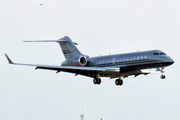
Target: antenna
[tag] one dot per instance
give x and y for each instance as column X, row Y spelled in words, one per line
column 82, row 115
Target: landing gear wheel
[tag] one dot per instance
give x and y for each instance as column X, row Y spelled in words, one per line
column 97, row 81
column 163, row 76
column 119, row 82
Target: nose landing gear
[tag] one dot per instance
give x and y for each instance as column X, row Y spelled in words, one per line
column 163, row 76
column 162, row 71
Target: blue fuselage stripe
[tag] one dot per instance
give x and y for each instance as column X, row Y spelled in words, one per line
column 129, row 63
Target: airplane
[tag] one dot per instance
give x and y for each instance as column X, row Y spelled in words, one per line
column 113, row 66
column 41, row 4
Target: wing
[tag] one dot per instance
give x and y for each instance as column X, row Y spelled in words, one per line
column 87, row 71
column 141, row 72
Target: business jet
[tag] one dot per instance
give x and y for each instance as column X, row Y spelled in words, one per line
column 117, row 66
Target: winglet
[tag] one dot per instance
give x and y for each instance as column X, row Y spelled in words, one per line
column 9, row 60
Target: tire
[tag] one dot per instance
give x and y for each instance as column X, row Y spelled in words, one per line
column 117, row 81
column 95, row 81
column 163, row 76
column 120, row 82
column 99, row 81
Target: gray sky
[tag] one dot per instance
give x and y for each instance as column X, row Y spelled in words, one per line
column 100, row 27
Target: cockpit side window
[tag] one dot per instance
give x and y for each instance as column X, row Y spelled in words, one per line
column 156, row 54
column 162, row 53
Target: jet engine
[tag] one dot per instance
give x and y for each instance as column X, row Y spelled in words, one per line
column 75, row 61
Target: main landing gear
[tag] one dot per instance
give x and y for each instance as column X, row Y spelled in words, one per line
column 97, row 81
column 119, row 81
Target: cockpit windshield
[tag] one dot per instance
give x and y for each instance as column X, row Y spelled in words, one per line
column 156, row 54
column 162, row 53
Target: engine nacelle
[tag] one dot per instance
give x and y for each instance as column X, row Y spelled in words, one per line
column 75, row 61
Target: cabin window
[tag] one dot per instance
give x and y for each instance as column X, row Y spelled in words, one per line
column 162, row 53
column 156, row 54
column 145, row 56
column 141, row 57
column 138, row 57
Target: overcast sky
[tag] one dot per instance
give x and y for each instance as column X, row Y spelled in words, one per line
column 99, row 27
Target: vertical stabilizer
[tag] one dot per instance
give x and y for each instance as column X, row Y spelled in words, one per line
column 68, row 48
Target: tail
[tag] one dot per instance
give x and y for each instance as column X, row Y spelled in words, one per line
column 67, row 46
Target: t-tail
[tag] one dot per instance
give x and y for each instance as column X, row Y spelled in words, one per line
column 68, row 48
column 73, row 56
column 71, row 53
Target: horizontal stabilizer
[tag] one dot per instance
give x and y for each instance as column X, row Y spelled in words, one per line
column 46, row 41
column 49, row 41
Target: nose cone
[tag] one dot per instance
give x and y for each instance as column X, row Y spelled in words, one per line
column 169, row 61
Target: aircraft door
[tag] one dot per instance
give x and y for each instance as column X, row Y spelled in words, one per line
column 114, row 60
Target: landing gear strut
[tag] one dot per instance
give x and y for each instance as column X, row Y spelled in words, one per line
column 162, row 71
column 119, row 82
column 97, row 81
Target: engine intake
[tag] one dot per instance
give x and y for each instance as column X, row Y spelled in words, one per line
column 83, row 61
column 76, row 61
